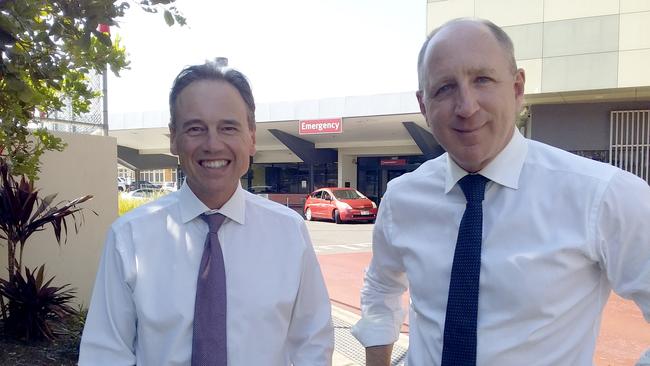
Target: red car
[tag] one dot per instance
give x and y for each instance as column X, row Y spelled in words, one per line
column 340, row 205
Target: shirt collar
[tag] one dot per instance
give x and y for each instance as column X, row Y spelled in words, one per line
column 191, row 206
column 504, row 169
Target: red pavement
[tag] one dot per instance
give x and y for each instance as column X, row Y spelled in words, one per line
column 624, row 334
column 344, row 277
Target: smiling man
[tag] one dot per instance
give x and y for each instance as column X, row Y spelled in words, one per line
column 509, row 247
column 209, row 274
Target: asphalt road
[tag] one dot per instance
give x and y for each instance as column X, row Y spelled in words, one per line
column 330, row 238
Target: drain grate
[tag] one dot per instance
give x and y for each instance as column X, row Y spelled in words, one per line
column 346, row 344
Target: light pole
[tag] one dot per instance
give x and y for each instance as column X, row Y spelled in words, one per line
column 221, row 61
column 105, row 28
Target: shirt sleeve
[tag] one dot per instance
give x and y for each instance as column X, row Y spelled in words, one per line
column 623, row 233
column 311, row 335
column 384, row 284
column 110, row 330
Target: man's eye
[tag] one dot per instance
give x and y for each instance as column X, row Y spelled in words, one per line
column 444, row 89
column 194, row 130
column 483, row 79
column 229, row 129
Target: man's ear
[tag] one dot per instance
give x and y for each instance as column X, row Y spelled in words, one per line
column 423, row 109
column 519, row 85
column 172, row 139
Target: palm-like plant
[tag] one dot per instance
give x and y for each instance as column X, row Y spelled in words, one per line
column 22, row 213
column 34, row 303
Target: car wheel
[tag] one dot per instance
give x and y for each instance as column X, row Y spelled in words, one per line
column 337, row 217
column 308, row 215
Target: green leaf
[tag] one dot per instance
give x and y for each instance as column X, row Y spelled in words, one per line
column 49, row 47
column 103, row 38
column 39, row 276
column 26, row 95
column 169, row 18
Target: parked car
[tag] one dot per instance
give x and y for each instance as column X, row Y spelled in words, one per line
column 169, row 186
column 142, row 184
column 121, row 184
column 144, row 194
column 340, row 205
column 261, row 189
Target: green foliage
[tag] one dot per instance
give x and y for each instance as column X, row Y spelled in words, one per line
column 523, row 117
column 73, row 326
column 126, row 204
column 34, row 304
column 47, row 49
column 22, row 213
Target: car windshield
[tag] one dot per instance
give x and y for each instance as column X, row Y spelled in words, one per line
column 347, row 194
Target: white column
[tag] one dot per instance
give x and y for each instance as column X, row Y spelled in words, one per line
column 347, row 170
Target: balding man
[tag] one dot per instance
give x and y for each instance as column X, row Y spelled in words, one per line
column 509, row 247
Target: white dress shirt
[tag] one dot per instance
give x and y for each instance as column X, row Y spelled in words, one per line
column 142, row 308
column 559, row 232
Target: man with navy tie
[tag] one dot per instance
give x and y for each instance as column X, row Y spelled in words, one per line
column 509, row 247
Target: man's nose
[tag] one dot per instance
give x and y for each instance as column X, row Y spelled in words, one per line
column 466, row 102
column 213, row 141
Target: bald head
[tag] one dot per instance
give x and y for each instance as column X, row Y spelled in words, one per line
column 459, row 25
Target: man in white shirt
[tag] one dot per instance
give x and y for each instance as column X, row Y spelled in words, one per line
column 558, row 231
column 143, row 303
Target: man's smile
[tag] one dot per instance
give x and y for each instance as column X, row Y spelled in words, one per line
column 213, row 164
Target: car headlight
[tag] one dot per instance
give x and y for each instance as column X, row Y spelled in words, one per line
column 374, row 205
column 345, row 206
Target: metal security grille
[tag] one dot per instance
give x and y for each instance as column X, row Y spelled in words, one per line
column 346, row 344
column 629, row 146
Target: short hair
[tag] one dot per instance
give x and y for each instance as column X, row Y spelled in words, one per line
column 499, row 34
column 212, row 72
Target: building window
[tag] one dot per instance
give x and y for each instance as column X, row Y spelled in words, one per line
column 291, row 177
column 126, row 173
column 158, row 175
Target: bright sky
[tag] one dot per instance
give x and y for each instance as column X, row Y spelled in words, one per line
column 289, row 49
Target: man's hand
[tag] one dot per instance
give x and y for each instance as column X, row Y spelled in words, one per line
column 379, row 355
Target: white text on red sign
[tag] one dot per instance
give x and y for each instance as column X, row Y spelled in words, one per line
column 321, row 126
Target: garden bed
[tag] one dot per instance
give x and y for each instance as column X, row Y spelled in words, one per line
column 62, row 352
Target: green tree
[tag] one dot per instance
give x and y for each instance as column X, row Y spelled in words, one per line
column 47, row 50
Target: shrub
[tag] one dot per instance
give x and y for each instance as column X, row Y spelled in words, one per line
column 35, row 304
column 126, row 204
column 30, row 298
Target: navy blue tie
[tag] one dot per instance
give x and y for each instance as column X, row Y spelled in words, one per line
column 459, row 344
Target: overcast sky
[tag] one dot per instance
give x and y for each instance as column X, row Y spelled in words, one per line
column 289, row 49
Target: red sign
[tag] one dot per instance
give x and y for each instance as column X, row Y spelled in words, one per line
column 320, row 126
column 392, row 162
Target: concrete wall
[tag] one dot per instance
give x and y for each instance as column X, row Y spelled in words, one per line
column 576, row 126
column 86, row 166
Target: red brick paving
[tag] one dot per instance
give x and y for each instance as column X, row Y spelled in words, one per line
column 624, row 334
